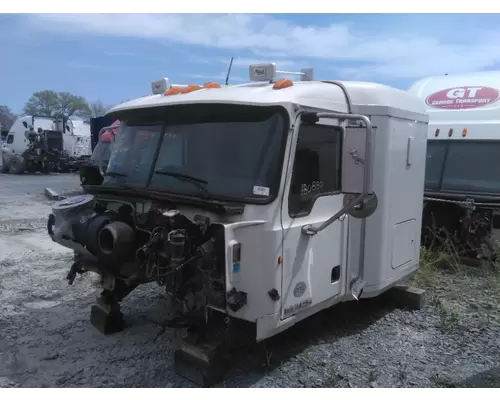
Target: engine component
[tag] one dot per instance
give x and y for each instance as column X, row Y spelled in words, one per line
column 164, row 253
column 115, row 237
column 65, row 214
column 75, row 269
column 127, row 248
column 168, row 248
column 98, row 235
column 177, row 241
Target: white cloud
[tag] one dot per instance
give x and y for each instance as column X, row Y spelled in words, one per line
column 244, row 63
column 240, row 62
column 217, row 78
column 410, row 51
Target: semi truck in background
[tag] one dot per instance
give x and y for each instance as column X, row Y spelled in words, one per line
column 44, row 144
column 462, row 180
column 3, row 143
column 254, row 206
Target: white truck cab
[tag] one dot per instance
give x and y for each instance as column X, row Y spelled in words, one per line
column 76, row 134
column 17, row 141
column 297, row 195
column 70, row 138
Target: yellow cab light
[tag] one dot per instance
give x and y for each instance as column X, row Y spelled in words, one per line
column 450, row 132
column 174, row 90
column 191, row 88
column 282, row 84
column 464, row 132
column 437, row 133
column 211, row 85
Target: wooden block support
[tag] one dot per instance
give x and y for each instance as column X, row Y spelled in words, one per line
column 407, row 297
column 107, row 321
column 201, row 364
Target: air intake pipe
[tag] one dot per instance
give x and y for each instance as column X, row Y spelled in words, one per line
column 115, row 239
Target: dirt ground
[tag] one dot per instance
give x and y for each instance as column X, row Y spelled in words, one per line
column 47, row 339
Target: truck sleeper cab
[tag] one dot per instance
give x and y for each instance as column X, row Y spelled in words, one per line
column 254, row 201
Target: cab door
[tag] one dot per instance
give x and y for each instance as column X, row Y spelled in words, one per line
column 313, row 266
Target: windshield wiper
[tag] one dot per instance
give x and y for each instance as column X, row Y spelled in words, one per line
column 112, row 173
column 200, row 183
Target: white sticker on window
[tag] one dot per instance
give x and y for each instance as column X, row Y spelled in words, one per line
column 261, row 191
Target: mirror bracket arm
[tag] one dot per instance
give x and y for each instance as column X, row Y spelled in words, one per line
column 100, row 163
column 311, row 230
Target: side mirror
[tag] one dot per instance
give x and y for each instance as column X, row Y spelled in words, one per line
column 353, row 179
column 356, row 175
column 101, row 139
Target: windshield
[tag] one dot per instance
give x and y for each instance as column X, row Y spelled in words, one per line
column 463, row 166
column 216, row 151
column 101, row 151
column 132, row 154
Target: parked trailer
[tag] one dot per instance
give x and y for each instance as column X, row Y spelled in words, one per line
column 462, row 185
column 79, row 143
column 255, row 205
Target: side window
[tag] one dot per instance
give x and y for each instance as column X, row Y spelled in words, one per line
column 10, row 139
column 316, row 169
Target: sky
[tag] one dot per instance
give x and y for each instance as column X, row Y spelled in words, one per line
column 115, row 57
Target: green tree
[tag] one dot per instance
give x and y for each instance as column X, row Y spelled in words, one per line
column 98, row 109
column 56, row 104
column 7, row 117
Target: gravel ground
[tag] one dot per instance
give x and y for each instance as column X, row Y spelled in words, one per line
column 47, row 340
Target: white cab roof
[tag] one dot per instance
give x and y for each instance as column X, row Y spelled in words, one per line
column 40, row 122
column 315, row 94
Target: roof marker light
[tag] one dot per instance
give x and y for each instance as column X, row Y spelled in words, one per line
column 464, row 132
column 174, row 90
column 437, row 133
column 450, row 132
column 282, row 84
column 211, row 85
column 191, row 88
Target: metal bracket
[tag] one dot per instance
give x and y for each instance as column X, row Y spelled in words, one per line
column 355, row 155
column 357, row 287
